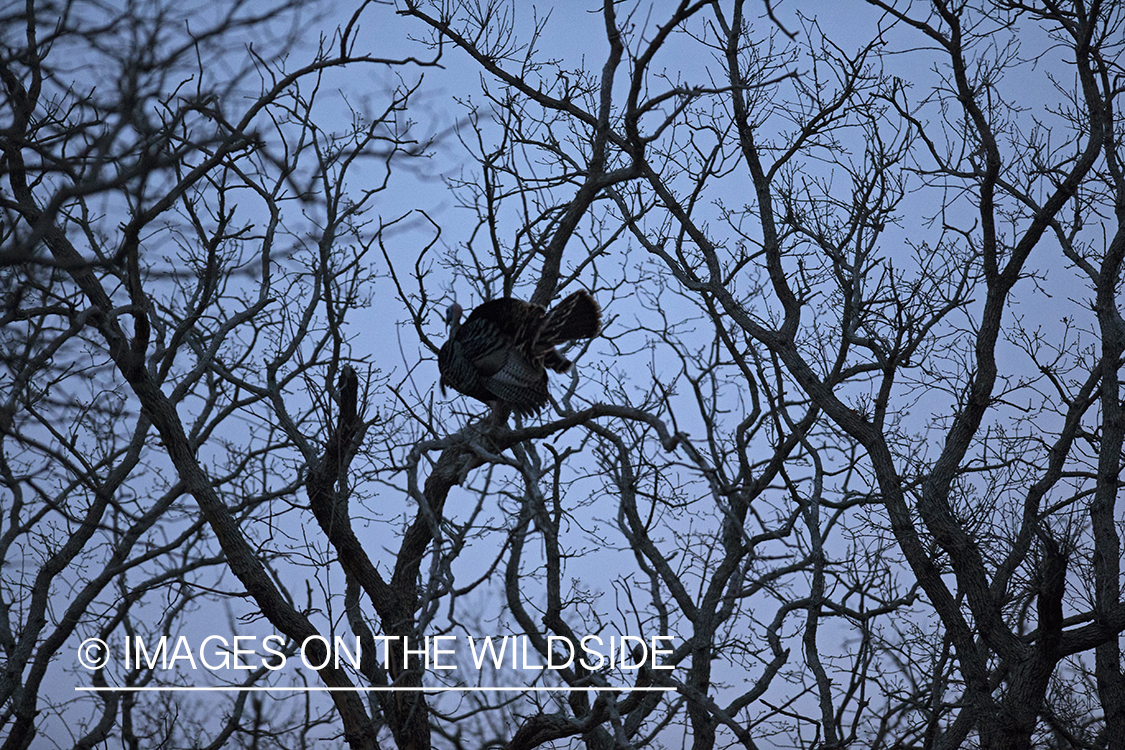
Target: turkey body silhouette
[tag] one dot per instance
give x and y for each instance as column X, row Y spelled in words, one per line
column 501, row 353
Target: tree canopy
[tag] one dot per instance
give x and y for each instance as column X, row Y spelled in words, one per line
column 841, row 469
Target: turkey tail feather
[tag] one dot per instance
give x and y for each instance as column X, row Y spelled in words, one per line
column 576, row 317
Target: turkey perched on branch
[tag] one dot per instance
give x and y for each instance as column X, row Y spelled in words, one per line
column 501, row 353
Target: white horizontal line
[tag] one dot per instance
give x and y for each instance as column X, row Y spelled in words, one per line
column 241, row 689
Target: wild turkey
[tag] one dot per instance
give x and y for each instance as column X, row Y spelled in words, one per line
column 501, row 353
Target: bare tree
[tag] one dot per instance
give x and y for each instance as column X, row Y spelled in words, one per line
column 887, row 443
column 181, row 254
column 846, row 451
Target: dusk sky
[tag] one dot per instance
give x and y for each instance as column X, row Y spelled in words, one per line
column 826, row 297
